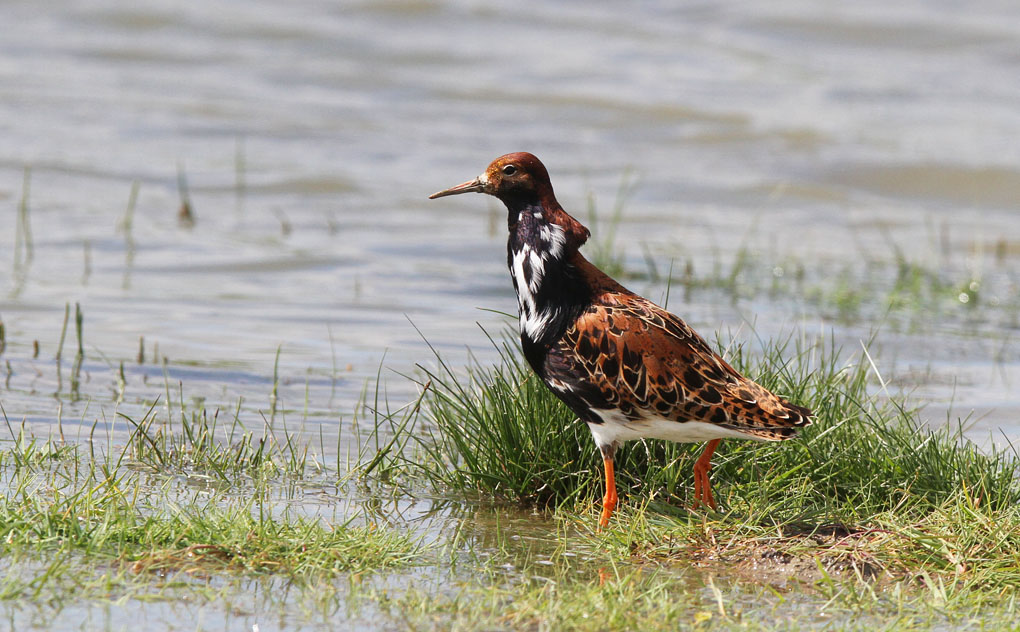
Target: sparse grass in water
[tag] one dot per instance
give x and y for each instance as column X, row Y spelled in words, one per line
column 59, row 502
column 196, row 443
column 893, row 287
column 186, row 212
column 79, row 357
column 113, row 515
column 24, row 246
column 126, row 226
column 602, row 245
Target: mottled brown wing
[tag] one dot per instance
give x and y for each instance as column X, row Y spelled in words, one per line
column 645, row 360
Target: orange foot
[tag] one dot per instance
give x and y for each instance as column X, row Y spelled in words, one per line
column 610, row 499
column 702, row 486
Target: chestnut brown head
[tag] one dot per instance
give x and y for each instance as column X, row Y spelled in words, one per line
column 517, row 177
column 520, row 181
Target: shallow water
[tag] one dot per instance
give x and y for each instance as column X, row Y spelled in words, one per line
column 832, row 143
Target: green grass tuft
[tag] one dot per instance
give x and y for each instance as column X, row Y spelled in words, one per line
column 499, row 431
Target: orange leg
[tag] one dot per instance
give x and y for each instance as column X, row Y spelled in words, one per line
column 702, row 487
column 609, row 500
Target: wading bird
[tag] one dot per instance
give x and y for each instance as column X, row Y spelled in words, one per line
column 625, row 366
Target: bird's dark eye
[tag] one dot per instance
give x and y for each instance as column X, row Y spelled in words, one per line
column 509, row 170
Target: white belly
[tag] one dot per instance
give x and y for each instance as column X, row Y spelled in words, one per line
column 616, row 428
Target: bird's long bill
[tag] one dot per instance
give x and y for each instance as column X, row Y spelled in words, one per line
column 474, row 186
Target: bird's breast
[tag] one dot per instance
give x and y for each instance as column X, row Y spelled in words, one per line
column 535, row 253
